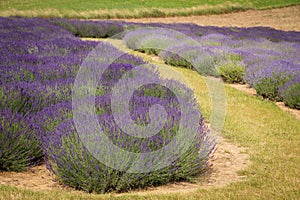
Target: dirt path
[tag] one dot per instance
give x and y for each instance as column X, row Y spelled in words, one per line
column 228, row 160
column 287, row 19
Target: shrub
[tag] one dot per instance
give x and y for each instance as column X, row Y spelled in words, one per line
column 268, row 77
column 75, row 165
column 268, row 87
column 20, row 137
column 154, row 43
column 151, row 40
column 191, row 57
column 232, row 72
column 50, row 117
column 28, row 98
column 101, row 29
column 19, row 146
column 213, row 39
column 132, row 38
column 290, row 92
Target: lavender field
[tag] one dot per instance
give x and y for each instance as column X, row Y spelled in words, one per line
column 262, row 57
column 38, row 67
column 39, row 62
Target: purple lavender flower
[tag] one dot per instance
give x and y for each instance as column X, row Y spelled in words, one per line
column 290, row 92
column 16, row 134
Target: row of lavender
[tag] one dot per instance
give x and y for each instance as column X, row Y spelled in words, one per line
column 38, row 65
column 38, row 62
column 267, row 59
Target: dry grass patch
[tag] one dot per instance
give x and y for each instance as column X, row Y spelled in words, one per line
column 129, row 13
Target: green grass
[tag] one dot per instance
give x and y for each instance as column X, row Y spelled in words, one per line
column 130, row 8
column 271, row 136
column 83, row 5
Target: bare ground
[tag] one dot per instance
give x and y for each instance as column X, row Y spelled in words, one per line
column 287, row 109
column 229, row 158
column 286, row 19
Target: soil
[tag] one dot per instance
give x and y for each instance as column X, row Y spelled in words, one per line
column 286, row 19
column 244, row 88
column 229, row 159
column 295, row 112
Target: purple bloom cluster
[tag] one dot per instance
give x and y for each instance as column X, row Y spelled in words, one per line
column 290, row 92
column 19, row 145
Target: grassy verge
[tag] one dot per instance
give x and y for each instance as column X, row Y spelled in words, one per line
column 271, row 135
column 130, row 9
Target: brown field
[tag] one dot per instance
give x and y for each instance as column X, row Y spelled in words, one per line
column 287, row 19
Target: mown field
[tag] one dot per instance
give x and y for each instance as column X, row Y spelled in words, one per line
column 132, row 8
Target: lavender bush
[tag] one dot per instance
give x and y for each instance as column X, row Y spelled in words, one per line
column 253, row 33
column 231, row 68
column 232, row 72
column 27, row 98
column 19, row 145
column 74, row 164
column 290, row 92
column 93, row 29
column 191, row 57
column 268, row 77
column 76, row 167
column 152, row 40
column 133, row 38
